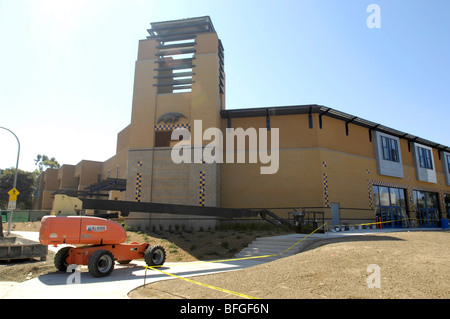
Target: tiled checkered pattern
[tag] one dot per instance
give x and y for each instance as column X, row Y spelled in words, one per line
column 201, row 194
column 386, row 184
column 412, row 205
column 171, row 127
column 369, row 189
column 138, row 186
column 325, row 186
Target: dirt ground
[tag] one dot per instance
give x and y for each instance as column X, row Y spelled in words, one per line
column 411, row 265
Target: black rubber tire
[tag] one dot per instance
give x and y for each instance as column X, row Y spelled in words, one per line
column 155, row 256
column 101, row 263
column 60, row 258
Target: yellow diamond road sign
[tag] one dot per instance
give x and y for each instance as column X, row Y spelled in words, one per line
column 13, row 194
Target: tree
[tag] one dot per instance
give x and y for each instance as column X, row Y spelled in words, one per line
column 25, row 185
column 43, row 162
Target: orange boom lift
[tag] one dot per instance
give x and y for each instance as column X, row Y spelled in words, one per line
column 101, row 244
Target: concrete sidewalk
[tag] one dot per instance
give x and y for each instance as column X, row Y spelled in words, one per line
column 115, row 286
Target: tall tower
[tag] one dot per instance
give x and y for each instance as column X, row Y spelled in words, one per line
column 179, row 78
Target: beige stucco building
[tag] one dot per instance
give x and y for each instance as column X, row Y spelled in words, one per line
column 351, row 169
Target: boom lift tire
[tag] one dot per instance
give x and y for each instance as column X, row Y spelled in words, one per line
column 155, row 256
column 101, row 263
column 60, row 258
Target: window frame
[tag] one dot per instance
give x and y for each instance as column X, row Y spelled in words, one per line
column 390, row 149
column 425, row 158
column 448, row 163
column 424, row 163
column 445, row 156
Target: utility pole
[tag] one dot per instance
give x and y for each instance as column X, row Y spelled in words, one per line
column 15, row 179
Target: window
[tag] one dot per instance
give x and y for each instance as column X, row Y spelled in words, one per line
column 448, row 164
column 390, row 149
column 445, row 156
column 425, row 160
column 426, row 199
column 175, row 70
column 164, row 139
column 388, row 155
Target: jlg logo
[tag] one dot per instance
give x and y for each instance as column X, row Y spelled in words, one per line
column 96, row 228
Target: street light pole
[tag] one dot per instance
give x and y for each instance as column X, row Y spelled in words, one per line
column 15, row 175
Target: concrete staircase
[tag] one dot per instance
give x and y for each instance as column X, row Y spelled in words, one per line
column 275, row 245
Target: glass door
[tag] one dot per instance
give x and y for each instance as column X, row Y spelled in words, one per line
column 390, row 206
column 386, row 217
column 427, row 208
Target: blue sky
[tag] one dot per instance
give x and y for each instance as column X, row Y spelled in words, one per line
column 67, row 66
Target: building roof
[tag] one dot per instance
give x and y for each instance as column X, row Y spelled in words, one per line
column 327, row 111
column 180, row 29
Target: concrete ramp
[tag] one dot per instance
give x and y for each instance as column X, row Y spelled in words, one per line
column 281, row 246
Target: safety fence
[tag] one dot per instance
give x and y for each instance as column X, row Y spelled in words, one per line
column 20, row 216
column 407, row 223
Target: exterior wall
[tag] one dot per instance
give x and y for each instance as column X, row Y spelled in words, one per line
column 116, row 166
column 333, row 136
column 88, row 173
column 66, row 177
column 153, row 177
column 320, row 166
column 123, row 139
column 294, row 185
column 48, row 184
column 141, row 129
